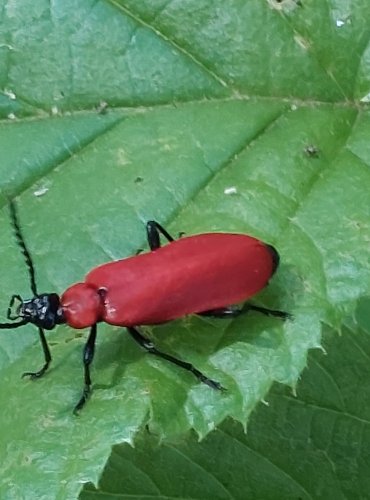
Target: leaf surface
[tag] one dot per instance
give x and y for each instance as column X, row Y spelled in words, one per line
column 314, row 444
column 229, row 116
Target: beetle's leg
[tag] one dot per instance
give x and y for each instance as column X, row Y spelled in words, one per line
column 224, row 312
column 47, row 356
column 153, row 231
column 88, row 356
column 8, row 326
column 149, row 346
column 13, row 298
column 267, row 312
column 230, row 312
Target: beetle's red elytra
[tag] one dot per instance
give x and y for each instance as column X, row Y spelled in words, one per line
column 203, row 274
column 187, row 276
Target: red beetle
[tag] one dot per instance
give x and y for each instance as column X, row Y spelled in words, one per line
column 200, row 274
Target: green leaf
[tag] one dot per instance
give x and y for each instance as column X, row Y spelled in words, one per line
column 206, row 116
column 312, row 445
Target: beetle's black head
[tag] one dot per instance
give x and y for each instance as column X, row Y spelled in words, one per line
column 43, row 310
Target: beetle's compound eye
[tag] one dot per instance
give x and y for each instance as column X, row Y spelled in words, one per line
column 82, row 305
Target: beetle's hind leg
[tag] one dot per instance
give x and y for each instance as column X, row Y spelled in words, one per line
column 151, row 349
column 224, row 312
column 232, row 312
column 268, row 312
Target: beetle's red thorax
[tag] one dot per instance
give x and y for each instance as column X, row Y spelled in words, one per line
column 82, row 305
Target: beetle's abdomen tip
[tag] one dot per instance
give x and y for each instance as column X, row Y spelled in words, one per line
column 275, row 257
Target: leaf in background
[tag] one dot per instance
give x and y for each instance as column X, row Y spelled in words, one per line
column 114, row 113
column 314, row 445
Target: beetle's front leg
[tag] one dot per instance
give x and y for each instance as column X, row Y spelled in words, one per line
column 47, row 356
column 88, row 356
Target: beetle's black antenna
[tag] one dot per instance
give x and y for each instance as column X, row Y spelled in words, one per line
column 22, row 244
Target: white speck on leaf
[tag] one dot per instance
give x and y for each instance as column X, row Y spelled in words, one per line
column 230, row 190
column 41, row 191
column 366, row 98
column 10, row 94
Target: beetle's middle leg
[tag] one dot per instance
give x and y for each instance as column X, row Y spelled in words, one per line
column 153, row 232
column 151, row 349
